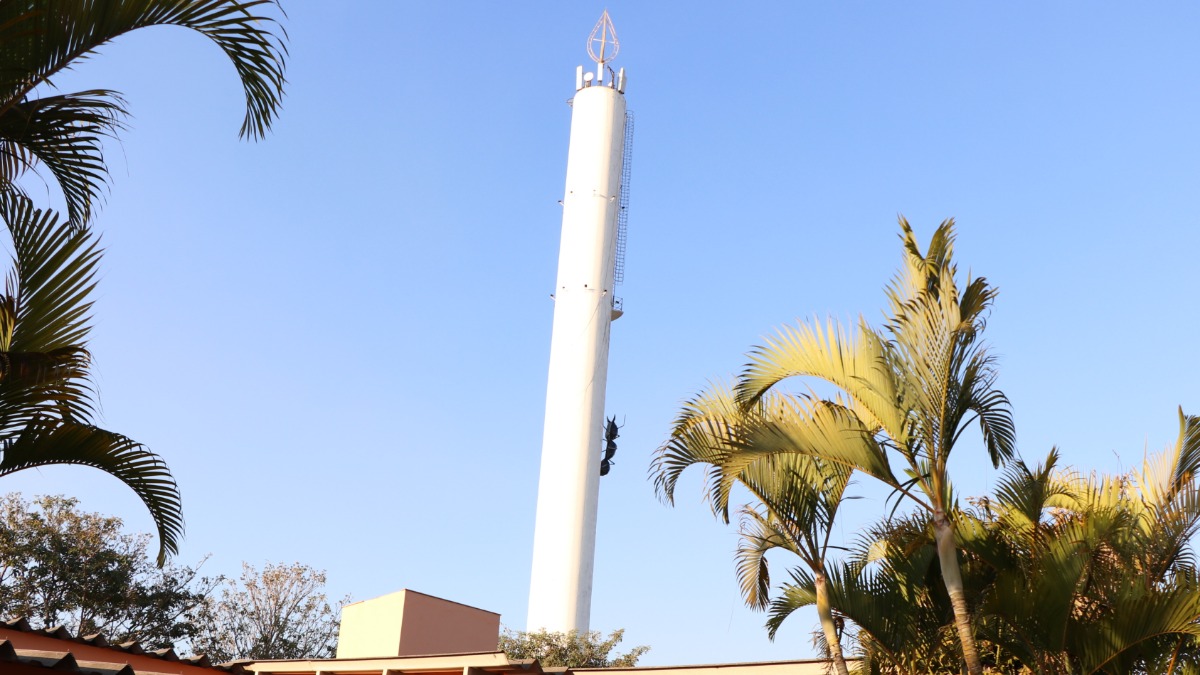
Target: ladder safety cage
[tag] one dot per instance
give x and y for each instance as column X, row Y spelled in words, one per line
column 623, row 211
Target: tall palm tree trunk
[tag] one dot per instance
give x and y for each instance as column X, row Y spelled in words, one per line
column 952, row 575
column 826, row 616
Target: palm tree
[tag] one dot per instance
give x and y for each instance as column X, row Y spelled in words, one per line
column 796, row 496
column 46, row 405
column 889, row 592
column 1081, row 575
column 1097, row 574
column 45, row 396
column 64, row 132
column 910, row 390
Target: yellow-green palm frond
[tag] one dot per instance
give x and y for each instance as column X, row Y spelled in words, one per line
column 1138, row 618
column 936, row 351
column 800, row 489
column 902, row 621
column 798, row 594
column 1024, row 497
column 1093, row 589
column 715, row 431
column 822, row 429
column 758, row 536
column 1166, row 474
column 903, row 544
column 854, row 360
column 706, row 432
column 794, row 492
column 1165, row 496
column 921, row 273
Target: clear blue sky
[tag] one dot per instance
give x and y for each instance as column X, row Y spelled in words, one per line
column 338, row 337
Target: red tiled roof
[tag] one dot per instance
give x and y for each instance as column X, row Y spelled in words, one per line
column 33, row 653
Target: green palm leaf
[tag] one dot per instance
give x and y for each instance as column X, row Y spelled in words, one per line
column 47, row 442
column 45, row 393
column 758, row 537
column 800, row 593
column 797, row 493
column 54, row 268
column 41, row 38
column 65, row 134
column 1138, row 617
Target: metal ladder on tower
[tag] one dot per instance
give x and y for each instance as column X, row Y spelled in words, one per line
column 623, row 212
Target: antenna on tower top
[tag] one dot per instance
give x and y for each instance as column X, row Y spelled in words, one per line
column 603, row 44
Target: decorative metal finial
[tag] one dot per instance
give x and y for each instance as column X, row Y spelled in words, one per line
column 603, row 44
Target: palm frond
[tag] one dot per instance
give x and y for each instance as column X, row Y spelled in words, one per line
column 55, row 275
column 46, row 442
column 1024, row 495
column 851, row 359
column 54, row 268
column 1167, row 473
column 1187, row 467
column 39, row 39
column 822, row 429
column 45, row 392
column 798, row 594
column 753, row 572
column 65, row 133
column 704, row 433
column 1136, row 619
column 43, row 38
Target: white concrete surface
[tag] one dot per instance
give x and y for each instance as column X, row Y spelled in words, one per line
column 560, row 593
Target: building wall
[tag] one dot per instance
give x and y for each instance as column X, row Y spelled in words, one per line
column 408, row 623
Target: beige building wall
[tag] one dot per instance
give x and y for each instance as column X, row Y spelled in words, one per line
column 408, row 623
column 410, row 633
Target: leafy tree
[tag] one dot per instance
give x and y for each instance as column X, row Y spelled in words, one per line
column 795, row 496
column 46, row 397
column 62, row 566
column 64, row 132
column 279, row 613
column 572, row 649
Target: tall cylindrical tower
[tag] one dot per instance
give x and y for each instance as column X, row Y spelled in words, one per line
column 564, row 542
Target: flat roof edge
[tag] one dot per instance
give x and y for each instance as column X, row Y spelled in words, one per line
column 744, row 664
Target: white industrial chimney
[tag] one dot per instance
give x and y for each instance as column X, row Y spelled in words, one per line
column 564, row 542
